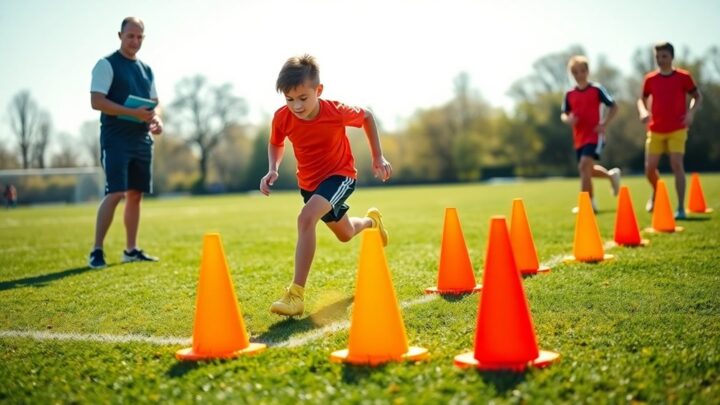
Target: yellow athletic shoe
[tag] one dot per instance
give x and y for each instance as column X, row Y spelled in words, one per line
column 291, row 303
column 374, row 214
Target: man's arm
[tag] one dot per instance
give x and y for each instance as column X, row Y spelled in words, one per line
column 381, row 167
column 99, row 102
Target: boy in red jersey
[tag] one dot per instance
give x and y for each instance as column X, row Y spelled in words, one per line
column 581, row 110
column 665, row 91
column 325, row 166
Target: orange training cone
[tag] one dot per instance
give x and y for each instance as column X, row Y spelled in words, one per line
column 377, row 332
column 504, row 336
column 697, row 197
column 455, row 273
column 627, row 232
column 522, row 241
column 588, row 246
column 662, row 218
column 219, row 330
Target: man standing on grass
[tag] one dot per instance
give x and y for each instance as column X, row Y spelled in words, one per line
column 126, row 143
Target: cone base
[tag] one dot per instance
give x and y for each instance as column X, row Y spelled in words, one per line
column 653, row 230
column 643, row 243
column 436, row 290
column 468, row 359
column 188, row 354
column 707, row 211
column 413, row 354
column 541, row 269
column 571, row 258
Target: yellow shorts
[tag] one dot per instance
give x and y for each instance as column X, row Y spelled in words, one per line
column 666, row 142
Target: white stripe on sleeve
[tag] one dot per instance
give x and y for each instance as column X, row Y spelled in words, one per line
column 102, row 77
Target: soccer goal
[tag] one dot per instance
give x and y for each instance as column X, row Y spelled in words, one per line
column 56, row 185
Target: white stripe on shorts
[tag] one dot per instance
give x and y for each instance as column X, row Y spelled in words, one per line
column 341, row 191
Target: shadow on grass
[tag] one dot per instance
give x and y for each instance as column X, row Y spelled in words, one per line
column 180, row 368
column 43, row 280
column 503, row 380
column 693, row 219
column 287, row 327
column 456, row 297
column 354, row 374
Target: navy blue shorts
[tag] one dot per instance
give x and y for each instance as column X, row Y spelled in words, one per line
column 127, row 167
column 590, row 149
column 335, row 189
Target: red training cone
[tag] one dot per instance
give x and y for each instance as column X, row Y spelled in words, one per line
column 505, row 336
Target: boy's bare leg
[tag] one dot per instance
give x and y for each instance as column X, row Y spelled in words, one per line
column 586, row 168
column 309, row 216
column 651, row 169
column 600, row 171
column 347, row 227
column 652, row 174
column 676, row 163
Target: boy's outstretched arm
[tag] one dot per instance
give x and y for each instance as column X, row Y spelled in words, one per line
column 381, row 167
column 275, row 155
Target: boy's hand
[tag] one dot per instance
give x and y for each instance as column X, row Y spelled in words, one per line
column 689, row 117
column 267, row 181
column 382, row 169
column 571, row 119
column 644, row 118
column 600, row 128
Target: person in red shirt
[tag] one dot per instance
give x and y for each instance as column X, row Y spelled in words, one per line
column 581, row 110
column 325, row 166
column 663, row 106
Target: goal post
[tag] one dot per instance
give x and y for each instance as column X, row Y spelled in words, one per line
column 56, row 185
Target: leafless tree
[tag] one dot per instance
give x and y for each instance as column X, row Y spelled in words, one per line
column 24, row 117
column 90, row 139
column 42, row 139
column 67, row 156
column 203, row 113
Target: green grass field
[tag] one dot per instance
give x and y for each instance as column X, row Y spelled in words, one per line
column 642, row 328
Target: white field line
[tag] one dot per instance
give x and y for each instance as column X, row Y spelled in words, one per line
column 339, row 326
column 300, row 340
column 96, row 337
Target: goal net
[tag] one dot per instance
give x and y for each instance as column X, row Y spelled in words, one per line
column 55, row 185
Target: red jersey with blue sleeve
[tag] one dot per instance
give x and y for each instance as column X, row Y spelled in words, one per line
column 585, row 104
column 669, row 99
column 321, row 146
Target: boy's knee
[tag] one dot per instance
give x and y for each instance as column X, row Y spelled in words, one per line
column 305, row 221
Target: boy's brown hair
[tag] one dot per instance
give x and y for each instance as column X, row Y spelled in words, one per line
column 578, row 60
column 296, row 71
column 665, row 46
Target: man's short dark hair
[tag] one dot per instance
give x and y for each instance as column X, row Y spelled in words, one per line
column 133, row 20
column 296, row 71
column 665, row 46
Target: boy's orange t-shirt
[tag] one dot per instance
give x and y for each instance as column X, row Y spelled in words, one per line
column 321, row 146
column 669, row 99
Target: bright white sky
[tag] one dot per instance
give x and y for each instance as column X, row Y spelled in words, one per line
column 395, row 56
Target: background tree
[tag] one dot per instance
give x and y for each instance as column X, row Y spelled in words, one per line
column 24, row 117
column 42, row 139
column 90, row 141
column 202, row 114
column 68, row 155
